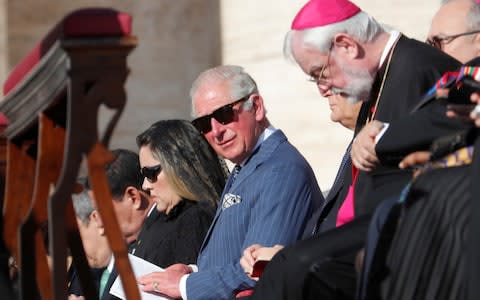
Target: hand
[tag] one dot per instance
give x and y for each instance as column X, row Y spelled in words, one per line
column 185, row 269
column 414, row 159
column 247, row 260
column 167, row 282
column 254, row 253
column 363, row 152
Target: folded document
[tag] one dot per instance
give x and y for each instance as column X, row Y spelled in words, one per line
column 140, row 267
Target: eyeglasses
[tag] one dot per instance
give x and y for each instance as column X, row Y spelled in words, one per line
column 151, row 173
column 320, row 79
column 438, row 40
column 224, row 115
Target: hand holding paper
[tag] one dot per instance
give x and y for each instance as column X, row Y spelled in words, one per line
column 140, row 267
column 166, row 282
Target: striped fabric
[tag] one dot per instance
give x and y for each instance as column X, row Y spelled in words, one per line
column 274, row 195
column 450, row 78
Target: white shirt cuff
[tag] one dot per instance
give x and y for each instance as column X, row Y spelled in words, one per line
column 183, row 282
column 380, row 134
column 183, row 286
column 194, row 268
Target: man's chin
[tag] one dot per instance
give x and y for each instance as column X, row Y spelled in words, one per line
column 334, row 118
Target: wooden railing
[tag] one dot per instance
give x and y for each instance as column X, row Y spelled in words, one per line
column 52, row 103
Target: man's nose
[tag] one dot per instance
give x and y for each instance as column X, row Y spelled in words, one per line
column 324, row 90
column 217, row 127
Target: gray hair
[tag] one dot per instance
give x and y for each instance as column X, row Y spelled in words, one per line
column 473, row 16
column 83, row 206
column 240, row 82
column 361, row 27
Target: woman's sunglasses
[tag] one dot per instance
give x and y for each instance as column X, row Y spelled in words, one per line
column 151, row 173
column 223, row 115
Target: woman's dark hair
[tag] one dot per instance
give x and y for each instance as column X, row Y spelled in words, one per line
column 190, row 164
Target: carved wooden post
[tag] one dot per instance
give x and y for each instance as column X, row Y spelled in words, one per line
column 53, row 111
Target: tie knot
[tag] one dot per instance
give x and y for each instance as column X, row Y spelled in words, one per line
column 237, row 169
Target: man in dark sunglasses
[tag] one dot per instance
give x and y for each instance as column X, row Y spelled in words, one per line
column 268, row 198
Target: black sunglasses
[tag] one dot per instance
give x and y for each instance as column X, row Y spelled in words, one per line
column 223, row 115
column 438, row 40
column 151, row 173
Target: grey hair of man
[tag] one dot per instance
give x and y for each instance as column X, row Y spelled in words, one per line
column 473, row 16
column 362, row 27
column 83, row 206
column 241, row 84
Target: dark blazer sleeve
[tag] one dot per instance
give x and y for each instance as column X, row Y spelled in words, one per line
column 417, row 68
column 414, row 69
column 416, row 132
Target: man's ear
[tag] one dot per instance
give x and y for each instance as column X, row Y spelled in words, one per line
column 258, row 107
column 133, row 195
column 96, row 220
column 345, row 45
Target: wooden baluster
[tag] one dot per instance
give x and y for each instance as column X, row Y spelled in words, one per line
column 97, row 159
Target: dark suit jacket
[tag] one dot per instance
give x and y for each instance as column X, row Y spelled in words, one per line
column 416, row 131
column 414, row 69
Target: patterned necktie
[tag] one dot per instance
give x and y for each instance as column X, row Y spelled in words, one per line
column 233, row 176
column 103, row 282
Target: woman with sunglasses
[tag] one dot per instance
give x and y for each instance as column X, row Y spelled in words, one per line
column 185, row 178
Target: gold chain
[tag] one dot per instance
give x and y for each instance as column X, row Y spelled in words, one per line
column 372, row 116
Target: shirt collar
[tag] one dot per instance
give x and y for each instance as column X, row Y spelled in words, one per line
column 262, row 138
column 110, row 264
column 394, row 35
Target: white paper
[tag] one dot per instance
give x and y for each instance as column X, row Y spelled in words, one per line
column 140, row 267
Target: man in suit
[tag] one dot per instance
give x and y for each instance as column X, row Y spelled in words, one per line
column 131, row 205
column 268, row 198
column 346, row 51
column 345, row 114
column 94, row 241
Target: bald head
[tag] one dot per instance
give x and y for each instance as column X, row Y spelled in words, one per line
column 455, row 17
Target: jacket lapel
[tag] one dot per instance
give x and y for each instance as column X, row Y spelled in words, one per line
column 258, row 157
